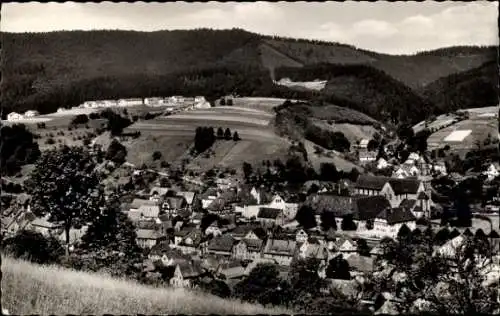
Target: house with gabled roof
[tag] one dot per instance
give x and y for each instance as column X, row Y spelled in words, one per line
column 395, row 190
column 269, row 216
column 173, row 205
column 137, row 203
column 221, row 245
column 388, row 222
column 185, row 274
column 193, row 242
column 46, row 228
column 249, row 231
column 345, row 246
column 232, row 270
column 248, row 249
column 147, row 238
column 167, row 255
column 312, row 249
column 156, row 193
column 188, row 196
column 281, row 251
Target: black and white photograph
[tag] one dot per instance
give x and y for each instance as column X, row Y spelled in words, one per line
column 250, row 158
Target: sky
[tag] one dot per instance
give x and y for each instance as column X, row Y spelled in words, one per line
column 394, row 28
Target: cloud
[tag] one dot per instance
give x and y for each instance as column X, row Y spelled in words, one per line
column 466, row 24
column 377, row 28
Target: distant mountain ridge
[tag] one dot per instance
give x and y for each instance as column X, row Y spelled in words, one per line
column 49, row 70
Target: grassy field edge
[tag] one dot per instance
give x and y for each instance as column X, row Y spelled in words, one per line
column 29, row 288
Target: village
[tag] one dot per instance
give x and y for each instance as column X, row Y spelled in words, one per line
column 225, row 227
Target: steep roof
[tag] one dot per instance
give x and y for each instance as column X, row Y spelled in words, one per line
column 339, row 205
column 146, row 224
column 371, row 182
column 396, row 215
column 175, row 202
column 148, row 234
column 161, row 248
column 404, row 186
column 188, row 195
column 136, row 203
column 253, row 244
column 368, row 207
column 422, row 196
column 149, row 210
column 222, row 243
column 159, row 190
column 408, row 203
column 268, row 213
column 190, row 270
column 43, row 222
column 280, row 247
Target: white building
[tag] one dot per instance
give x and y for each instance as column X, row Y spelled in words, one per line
column 110, row 103
column 90, row 104
column 130, row 102
column 31, row 113
column 154, row 101
column 382, row 164
column 364, row 143
column 492, row 172
column 388, row 222
column 14, row 116
column 176, row 99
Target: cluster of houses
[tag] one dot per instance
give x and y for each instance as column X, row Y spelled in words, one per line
column 169, row 102
column 14, row 116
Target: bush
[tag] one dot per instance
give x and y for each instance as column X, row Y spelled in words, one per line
column 116, row 152
column 156, row 155
column 80, row 119
column 50, row 141
column 33, row 246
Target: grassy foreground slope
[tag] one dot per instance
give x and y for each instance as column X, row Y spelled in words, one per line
column 34, row 289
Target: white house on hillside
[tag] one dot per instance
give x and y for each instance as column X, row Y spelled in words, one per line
column 154, row 101
column 13, row 116
column 130, row 102
column 31, row 113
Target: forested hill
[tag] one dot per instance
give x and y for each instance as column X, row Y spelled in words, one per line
column 45, row 71
column 477, row 87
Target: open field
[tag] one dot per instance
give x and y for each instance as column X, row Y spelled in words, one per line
column 33, row 289
column 317, row 159
column 351, row 132
column 479, row 127
column 173, row 136
column 263, row 104
column 488, row 109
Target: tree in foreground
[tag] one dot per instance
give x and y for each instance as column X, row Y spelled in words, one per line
column 220, row 133
column 263, row 285
column 305, row 217
column 338, row 268
column 236, row 136
column 33, row 246
column 111, row 230
column 116, row 152
column 110, row 241
column 227, row 134
column 65, row 186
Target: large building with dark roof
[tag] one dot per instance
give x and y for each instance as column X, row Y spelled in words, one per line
column 394, row 189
